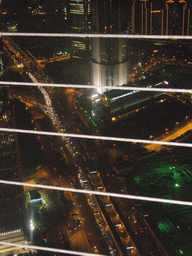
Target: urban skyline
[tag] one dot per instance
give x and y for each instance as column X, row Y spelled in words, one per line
column 88, row 223
column 135, row 17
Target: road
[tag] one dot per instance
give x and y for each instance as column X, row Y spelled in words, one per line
column 93, row 213
column 96, row 242
column 170, row 136
column 97, row 183
column 85, row 216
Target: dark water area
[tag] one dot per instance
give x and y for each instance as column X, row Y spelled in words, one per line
column 70, row 71
column 29, row 147
column 44, row 47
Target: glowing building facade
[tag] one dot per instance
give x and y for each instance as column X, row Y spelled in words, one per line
column 168, row 17
column 109, row 63
column 80, row 22
column 109, row 56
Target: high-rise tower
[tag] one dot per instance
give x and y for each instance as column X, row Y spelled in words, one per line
column 167, row 17
column 109, row 56
column 11, row 197
column 109, row 64
column 80, row 22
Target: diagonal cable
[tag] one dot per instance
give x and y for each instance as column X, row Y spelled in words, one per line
column 48, row 249
column 78, row 86
column 168, row 37
column 98, row 193
column 96, row 137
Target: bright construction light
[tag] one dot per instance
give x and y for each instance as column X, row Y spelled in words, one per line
column 31, row 225
column 130, row 247
column 94, row 96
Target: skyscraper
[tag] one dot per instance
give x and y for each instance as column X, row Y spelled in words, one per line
column 11, row 197
column 80, row 22
column 168, row 17
column 109, row 64
column 109, row 56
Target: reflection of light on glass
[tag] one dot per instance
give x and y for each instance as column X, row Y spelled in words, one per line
column 165, row 82
column 130, row 247
column 94, row 96
column 121, row 96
